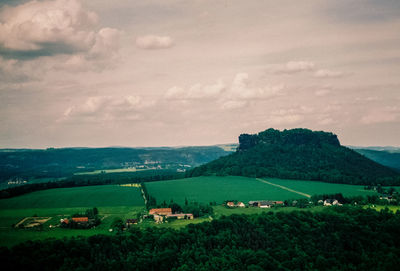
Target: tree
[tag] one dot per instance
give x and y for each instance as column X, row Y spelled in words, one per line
column 117, row 224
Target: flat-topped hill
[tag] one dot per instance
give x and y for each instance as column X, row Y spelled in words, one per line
column 299, row 154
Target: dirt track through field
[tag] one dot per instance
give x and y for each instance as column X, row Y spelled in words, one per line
column 284, row 187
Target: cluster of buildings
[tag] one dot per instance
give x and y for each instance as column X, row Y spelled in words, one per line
column 272, row 203
column 255, row 203
column 265, row 203
column 160, row 214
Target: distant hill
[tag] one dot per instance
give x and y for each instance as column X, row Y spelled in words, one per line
column 53, row 162
column 390, row 149
column 299, row 154
column 387, row 158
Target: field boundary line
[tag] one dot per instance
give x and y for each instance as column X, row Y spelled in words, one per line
column 284, row 187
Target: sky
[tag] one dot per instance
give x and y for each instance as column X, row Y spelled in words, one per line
column 136, row 73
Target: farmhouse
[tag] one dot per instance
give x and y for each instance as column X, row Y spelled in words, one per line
column 266, row 204
column 232, row 204
column 161, row 211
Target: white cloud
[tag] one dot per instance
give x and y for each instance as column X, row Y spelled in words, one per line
column 196, row 91
column 328, row 73
column 175, row 92
column 37, row 25
column 208, row 91
column 12, row 70
column 229, row 96
column 106, row 44
column 108, row 108
column 296, row 66
column 154, row 42
column 62, row 32
column 242, row 89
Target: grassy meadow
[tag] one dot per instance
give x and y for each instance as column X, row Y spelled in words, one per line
column 218, row 189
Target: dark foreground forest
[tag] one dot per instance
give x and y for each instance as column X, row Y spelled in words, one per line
column 343, row 238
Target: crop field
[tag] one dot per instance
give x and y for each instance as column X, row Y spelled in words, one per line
column 318, row 188
column 86, row 196
column 219, row 189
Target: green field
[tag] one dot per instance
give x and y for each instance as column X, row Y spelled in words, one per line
column 318, row 188
column 86, row 196
column 219, row 189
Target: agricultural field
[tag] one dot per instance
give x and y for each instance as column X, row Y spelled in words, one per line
column 318, row 188
column 49, row 206
column 85, row 196
column 219, row 189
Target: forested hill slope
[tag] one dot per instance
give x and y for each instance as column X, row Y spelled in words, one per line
column 299, row 154
column 388, row 158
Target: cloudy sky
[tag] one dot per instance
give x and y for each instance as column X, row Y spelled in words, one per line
column 199, row 72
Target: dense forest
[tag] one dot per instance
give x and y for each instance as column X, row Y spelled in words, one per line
column 52, row 163
column 299, row 154
column 342, row 238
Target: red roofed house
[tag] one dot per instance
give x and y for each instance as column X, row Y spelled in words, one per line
column 64, row 220
column 230, row 204
column 80, row 219
column 161, row 211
